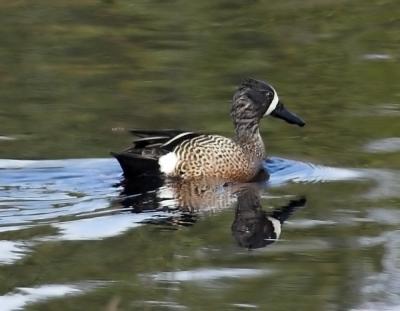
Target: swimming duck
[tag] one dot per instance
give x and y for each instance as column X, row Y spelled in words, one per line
column 193, row 155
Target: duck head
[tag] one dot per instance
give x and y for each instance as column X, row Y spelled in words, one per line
column 255, row 99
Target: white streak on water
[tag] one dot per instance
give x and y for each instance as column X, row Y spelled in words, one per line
column 210, row 274
column 377, row 56
column 284, row 171
column 7, row 138
column 103, row 226
column 385, row 145
column 23, row 296
column 384, row 216
column 387, row 183
column 244, row 306
column 11, row 251
column 381, row 291
column 309, row 223
column 170, row 305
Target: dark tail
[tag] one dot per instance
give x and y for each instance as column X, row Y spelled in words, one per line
column 134, row 165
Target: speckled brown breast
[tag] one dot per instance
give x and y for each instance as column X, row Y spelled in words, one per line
column 217, row 156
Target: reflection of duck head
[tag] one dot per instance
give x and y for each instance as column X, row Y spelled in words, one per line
column 255, row 228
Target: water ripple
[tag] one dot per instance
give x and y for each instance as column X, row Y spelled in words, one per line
column 48, row 191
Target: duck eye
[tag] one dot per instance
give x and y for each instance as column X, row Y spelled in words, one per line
column 268, row 94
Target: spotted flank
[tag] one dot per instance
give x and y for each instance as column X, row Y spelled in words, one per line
column 216, row 156
column 191, row 155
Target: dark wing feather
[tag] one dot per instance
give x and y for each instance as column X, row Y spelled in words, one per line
column 175, row 141
column 142, row 157
column 170, row 133
column 150, row 141
column 159, row 145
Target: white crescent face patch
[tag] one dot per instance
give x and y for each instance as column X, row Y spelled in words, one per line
column 273, row 104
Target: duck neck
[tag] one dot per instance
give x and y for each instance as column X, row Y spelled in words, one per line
column 246, row 129
column 247, row 135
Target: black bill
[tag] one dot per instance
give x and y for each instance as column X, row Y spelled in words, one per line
column 281, row 113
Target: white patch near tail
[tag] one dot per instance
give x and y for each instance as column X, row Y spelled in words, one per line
column 277, row 226
column 168, row 163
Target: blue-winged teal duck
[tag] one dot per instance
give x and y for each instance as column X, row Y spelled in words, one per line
column 190, row 155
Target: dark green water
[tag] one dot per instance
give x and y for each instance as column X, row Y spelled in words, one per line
column 75, row 74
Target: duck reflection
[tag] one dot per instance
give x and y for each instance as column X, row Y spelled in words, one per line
column 185, row 201
column 253, row 227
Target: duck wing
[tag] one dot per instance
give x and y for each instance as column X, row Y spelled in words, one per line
column 163, row 132
column 166, row 140
column 141, row 158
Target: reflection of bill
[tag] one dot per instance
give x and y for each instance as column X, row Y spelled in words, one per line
column 252, row 226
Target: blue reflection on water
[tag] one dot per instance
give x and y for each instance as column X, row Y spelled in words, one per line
column 99, row 174
column 38, row 192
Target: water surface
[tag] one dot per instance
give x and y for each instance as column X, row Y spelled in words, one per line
column 76, row 74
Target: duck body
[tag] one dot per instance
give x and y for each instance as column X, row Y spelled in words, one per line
column 191, row 155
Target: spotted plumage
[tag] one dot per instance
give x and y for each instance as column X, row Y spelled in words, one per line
column 191, row 155
column 219, row 157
